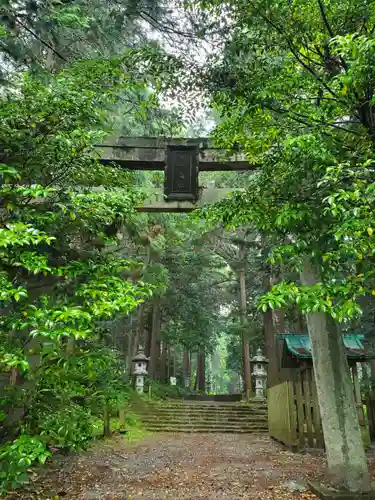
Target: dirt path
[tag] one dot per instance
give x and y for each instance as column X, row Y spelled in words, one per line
column 179, row 467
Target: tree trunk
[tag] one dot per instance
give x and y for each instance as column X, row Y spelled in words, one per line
column 243, row 317
column 345, row 453
column 163, row 363
column 196, row 380
column 298, row 323
column 138, row 333
column 190, row 367
column 271, row 347
column 106, row 421
column 148, row 332
column 274, row 323
column 169, row 364
column 278, row 320
column 201, row 370
column 186, row 369
column 159, row 353
column 278, row 316
column 155, row 330
column 130, row 350
column 140, row 328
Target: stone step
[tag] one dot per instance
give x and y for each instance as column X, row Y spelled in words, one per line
column 226, row 406
column 208, row 417
column 199, row 418
column 244, row 411
column 204, row 424
column 209, row 430
column 151, row 411
column 211, row 416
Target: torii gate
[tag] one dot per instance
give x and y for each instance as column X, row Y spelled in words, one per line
column 182, row 160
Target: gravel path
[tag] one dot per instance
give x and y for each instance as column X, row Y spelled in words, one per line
column 179, row 467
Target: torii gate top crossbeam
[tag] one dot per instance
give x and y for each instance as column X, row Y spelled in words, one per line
column 150, row 153
column 181, row 160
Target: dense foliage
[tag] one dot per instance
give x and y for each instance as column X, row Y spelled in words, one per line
column 59, row 282
column 85, row 278
column 305, row 117
column 294, row 89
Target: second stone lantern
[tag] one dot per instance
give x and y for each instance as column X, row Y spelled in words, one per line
column 140, row 361
column 260, row 374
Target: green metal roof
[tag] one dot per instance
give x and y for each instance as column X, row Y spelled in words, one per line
column 299, row 346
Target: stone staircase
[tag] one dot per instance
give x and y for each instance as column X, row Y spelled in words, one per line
column 193, row 416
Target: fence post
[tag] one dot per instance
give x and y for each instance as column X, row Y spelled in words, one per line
column 300, row 412
column 319, row 438
column 357, row 395
column 370, row 414
column 309, row 423
column 292, row 415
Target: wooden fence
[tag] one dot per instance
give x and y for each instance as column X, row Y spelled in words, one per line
column 293, row 413
column 370, row 407
column 294, row 416
column 281, row 414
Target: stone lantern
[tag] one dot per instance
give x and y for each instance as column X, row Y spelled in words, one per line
column 140, row 361
column 260, row 374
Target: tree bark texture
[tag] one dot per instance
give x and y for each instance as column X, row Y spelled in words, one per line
column 163, row 363
column 299, row 324
column 243, row 318
column 186, row 368
column 274, row 324
column 129, row 350
column 139, row 329
column 271, row 347
column 138, row 333
column 278, row 315
column 345, row 452
column 155, row 331
column 148, row 332
column 201, row 370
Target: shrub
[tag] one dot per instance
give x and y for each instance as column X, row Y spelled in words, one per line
column 164, row 391
column 69, row 428
column 17, row 457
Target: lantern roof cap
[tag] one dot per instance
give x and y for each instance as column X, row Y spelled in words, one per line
column 259, row 357
column 140, row 356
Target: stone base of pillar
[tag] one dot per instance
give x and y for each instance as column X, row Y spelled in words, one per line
column 324, row 492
